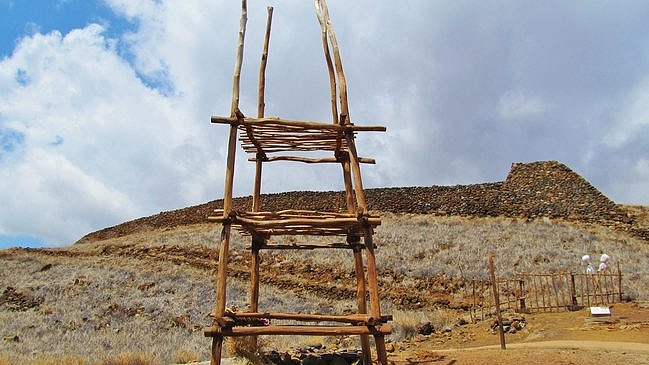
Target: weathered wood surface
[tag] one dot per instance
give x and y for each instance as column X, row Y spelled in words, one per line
column 298, row 330
column 221, row 276
column 550, row 292
column 297, row 222
column 307, row 246
column 329, row 40
column 292, row 125
column 330, row 69
column 494, row 286
column 262, row 136
column 364, row 160
column 364, row 319
column 262, row 66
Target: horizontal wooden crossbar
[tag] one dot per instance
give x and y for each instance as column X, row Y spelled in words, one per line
column 310, row 246
column 297, row 222
column 297, row 330
column 262, row 136
column 270, row 122
column 365, row 319
column 311, row 160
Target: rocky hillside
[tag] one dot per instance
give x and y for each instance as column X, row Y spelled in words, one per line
column 531, row 190
column 150, row 292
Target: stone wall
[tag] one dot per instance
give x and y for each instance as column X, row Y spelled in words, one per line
column 551, row 189
column 531, row 190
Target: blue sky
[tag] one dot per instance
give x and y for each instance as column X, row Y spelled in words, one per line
column 19, row 18
column 105, row 105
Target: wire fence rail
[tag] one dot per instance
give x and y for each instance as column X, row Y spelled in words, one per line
column 544, row 292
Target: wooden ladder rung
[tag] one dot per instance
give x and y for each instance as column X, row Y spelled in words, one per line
column 297, row 330
column 364, row 319
column 311, row 246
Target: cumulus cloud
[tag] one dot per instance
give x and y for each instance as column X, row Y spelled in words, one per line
column 83, row 133
column 623, row 146
column 98, row 129
column 632, row 118
column 44, row 185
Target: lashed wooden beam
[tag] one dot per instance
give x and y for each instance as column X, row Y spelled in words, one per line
column 298, row 330
column 366, row 319
column 312, row 160
column 295, row 123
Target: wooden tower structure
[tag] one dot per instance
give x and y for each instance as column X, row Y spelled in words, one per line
column 275, row 139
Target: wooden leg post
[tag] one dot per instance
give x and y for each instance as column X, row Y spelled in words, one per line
column 217, row 347
column 494, row 286
column 221, row 285
column 521, row 300
column 254, row 285
column 372, row 282
column 360, row 298
column 380, row 349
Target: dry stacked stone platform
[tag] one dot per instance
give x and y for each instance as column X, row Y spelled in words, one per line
column 551, row 189
column 531, row 190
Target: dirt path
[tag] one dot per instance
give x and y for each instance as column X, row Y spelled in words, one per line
column 537, row 353
column 569, row 344
column 534, row 353
column 589, row 345
column 550, row 338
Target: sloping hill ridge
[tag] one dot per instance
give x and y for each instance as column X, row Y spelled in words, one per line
column 531, row 190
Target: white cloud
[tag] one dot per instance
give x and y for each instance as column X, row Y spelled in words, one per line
column 106, row 136
column 632, row 119
column 48, row 196
column 126, row 120
column 632, row 179
column 517, row 104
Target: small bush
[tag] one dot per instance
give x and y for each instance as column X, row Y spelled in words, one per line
column 246, row 347
column 185, row 356
column 407, row 325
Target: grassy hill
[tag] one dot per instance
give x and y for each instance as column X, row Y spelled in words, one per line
column 146, row 286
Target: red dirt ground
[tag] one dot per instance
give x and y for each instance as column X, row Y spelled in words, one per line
column 548, row 338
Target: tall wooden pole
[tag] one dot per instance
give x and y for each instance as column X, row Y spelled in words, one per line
column 262, row 67
column 350, row 166
column 356, row 173
column 236, row 81
column 494, row 286
column 256, row 197
column 221, row 278
column 361, row 302
column 261, row 104
column 359, row 267
column 619, row 281
column 330, row 67
column 323, row 11
column 373, row 285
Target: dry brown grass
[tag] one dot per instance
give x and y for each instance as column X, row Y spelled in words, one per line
column 121, row 359
column 248, row 348
column 93, row 305
column 130, row 359
column 186, row 356
column 420, row 246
